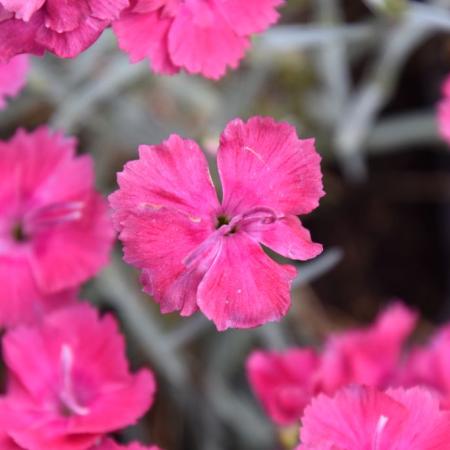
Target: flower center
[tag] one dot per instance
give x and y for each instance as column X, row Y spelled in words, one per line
column 18, row 233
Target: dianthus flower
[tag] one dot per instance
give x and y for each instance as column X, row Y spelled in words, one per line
column 109, row 444
column 429, row 365
column 13, row 76
column 200, row 36
column 367, row 355
column 69, row 381
column 196, row 253
column 363, row 418
column 444, row 111
column 61, row 27
column 285, row 382
column 55, row 232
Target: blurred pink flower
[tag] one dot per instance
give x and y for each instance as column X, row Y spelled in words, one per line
column 367, row 355
column 199, row 36
column 196, row 253
column 55, row 232
column 443, row 115
column 69, row 381
column 284, row 382
column 363, row 418
column 429, row 366
column 61, row 27
column 13, row 75
column 109, row 444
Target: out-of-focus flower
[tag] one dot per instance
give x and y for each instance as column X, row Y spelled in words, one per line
column 13, row 75
column 109, row 444
column 367, row 355
column 360, row 417
column 55, row 231
column 444, row 112
column 429, row 365
column 198, row 36
column 61, row 27
column 284, row 382
column 69, row 381
column 196, row 253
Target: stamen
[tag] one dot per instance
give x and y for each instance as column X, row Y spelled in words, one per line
column 67, row 395
column 55, row 214
column 381, row 424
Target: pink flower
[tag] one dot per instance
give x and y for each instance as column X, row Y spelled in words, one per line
column 55, row 232
column 200, row 36
column 69, row 381
column 443, row 116
column 195, row 253
column 367, row 355
column 284, row 382
column 363, row 418
column 12, row 77
column 429, row 366
column 109, row 444
column 61, row 27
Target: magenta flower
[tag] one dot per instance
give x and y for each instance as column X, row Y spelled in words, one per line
column 363, row 418
column 195, row 35
column 429, row 366
column 13, row 75
column 284, row 382
column 55, row 232
column 58, row 26
column 69, row 381
column 443, row 116
column 367, row 355
column 109, row 444
column 195, row 253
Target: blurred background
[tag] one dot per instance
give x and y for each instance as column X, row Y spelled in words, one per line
column 364, row 79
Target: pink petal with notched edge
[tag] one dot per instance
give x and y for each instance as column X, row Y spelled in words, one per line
column 286, row 236
column 204, row 46
column 243, row 296
column 283, row 382
column 251, row 16
column 159, row 242
column 13, row 76
column 71, row 43
column 17, row 36
column 61, row 17
column 145, row 35
column 174, row 175
column 264, row 163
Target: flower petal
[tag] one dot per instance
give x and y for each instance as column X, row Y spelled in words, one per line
column 244, row 288
column 172, row 175
column 250, row 16
column 202, row 42
column 264, row 163
column 146, row 36
column 286, row 236
column 159, row 242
